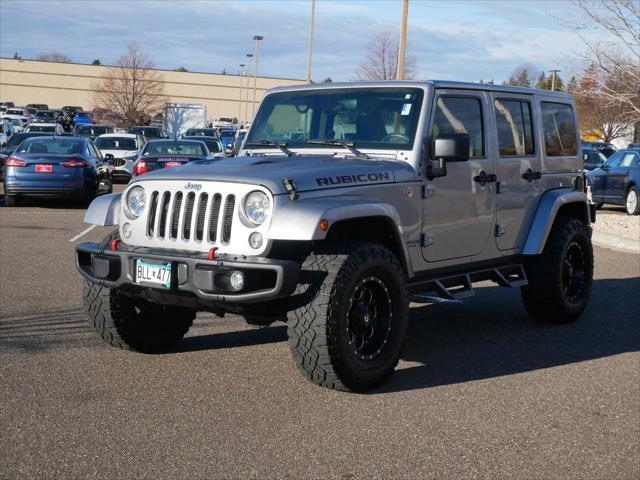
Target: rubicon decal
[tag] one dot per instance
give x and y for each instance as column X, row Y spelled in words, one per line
column 356, row 178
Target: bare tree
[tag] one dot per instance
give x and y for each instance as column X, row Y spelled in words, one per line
column 131, row 89
column 382, row 60
column 615, row 71
column 598, row 111
column 524, row 75
column 54, row 57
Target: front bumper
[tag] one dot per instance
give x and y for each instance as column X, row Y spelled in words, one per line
column 195, row 280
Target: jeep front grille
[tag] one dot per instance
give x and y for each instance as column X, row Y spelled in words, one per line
column 186, row 217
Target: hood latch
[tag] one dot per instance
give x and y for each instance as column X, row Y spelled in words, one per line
column 290, row 187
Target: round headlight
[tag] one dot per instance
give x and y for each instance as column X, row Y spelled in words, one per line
column 136, row 200
column 256, row 207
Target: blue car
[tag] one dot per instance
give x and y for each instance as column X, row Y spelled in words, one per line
column 55, row 167
column 617, row 181
column 226, row 137
column 82, row 118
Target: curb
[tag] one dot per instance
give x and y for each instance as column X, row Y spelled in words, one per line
column 615, row 242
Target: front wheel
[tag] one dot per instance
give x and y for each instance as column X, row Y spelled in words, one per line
column 631, row 202
column 349, row 316
column 560, row 278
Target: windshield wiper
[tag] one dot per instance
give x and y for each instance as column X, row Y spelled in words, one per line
column 348, row 145
column 269, row 143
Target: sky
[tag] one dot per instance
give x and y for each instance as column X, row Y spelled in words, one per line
column 449, row 39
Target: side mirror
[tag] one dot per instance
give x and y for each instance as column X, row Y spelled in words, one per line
column 448, row 147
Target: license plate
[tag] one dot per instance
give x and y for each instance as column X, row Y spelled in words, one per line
column 44, row 168
column 172, row 164
column 155, row 273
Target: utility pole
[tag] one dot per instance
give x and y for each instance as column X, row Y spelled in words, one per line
column 242, row 65
column 310, row 42
column 403, row 40
column 553, row 79
column 246, row 103
column 257, row 38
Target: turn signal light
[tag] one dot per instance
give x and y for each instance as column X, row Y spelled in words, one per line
column 75, row 163
column 140, row 167
column 14, row 162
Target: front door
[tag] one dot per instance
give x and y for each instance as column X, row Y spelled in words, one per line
column 618, row 174
column 519, row 168
column 459, row 211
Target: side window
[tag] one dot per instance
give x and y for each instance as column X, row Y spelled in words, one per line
column 515, row 132
column 460, row 115
column 559, row 130
column 629, row 160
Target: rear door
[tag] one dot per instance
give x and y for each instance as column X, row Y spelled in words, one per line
column 519, row 167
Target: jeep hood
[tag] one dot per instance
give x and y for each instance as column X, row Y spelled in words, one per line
column 308, row 172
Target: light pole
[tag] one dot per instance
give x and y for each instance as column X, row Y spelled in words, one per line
column 553, row 79
column 246, row 103
column 242, row 65
column 403, row 40
column 310, row 43
column 257, row 38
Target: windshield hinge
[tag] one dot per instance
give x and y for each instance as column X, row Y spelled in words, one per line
column 290, row 187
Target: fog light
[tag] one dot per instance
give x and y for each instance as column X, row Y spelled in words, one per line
column 236, row 279
column 255, row 240
column 126, row 230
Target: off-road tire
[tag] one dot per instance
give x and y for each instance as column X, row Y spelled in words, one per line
column 318, row 324
column 546, row 296
column 10, row 201
column 132, row 324
column 632, row 190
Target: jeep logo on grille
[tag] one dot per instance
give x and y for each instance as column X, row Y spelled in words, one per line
column 193, row 186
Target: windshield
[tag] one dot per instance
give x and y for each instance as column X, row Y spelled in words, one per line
column 48, row 145
column 212, row 144
column 42, row 128
column 48, row 114
column 377, row 118
column 149, row 132
column 92, row 130
column 188, row 149
column 227, row 133
column 201, row 132
column 16, row 121
column 594, row 158
column 15, row 112
column 116, row 143
column 16, row 138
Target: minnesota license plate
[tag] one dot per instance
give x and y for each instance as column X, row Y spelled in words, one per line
column 44, row 168
column 154, row 273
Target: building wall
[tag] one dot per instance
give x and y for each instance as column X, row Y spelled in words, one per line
column 60, row 84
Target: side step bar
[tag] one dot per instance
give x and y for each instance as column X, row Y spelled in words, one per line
column 457, row 287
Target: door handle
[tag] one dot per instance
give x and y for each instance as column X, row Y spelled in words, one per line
column 484, row 177
column 530, row 175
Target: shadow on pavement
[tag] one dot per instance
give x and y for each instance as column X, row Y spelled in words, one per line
column 487, row 336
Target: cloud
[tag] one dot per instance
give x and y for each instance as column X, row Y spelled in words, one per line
column 454, row 40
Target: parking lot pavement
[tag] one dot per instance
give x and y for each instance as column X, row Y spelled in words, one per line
column 481, row 391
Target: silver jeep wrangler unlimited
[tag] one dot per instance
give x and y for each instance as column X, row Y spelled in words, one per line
column 346, row 202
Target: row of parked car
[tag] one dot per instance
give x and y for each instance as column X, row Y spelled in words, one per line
column 18, row 119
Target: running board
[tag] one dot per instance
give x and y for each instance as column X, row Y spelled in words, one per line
column 460, row 286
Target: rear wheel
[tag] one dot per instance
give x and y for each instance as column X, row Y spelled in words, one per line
column 134, row 324
column 560, row 278
column 632, row 201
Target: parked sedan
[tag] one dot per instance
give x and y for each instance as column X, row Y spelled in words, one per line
column 201, row 132
column 53, row 128
column 121, row 150
column 45, row 116
column 91, row 131
column 593, row 158
column 170, row 153
column 227, row 137
column 617, row 181
column 213, row 144
column 55, row 167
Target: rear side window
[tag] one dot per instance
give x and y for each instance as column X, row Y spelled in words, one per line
column 559, row 129
column 515, row 132
column 460, row 115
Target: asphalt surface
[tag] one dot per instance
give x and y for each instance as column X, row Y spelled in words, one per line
column 481, row 391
